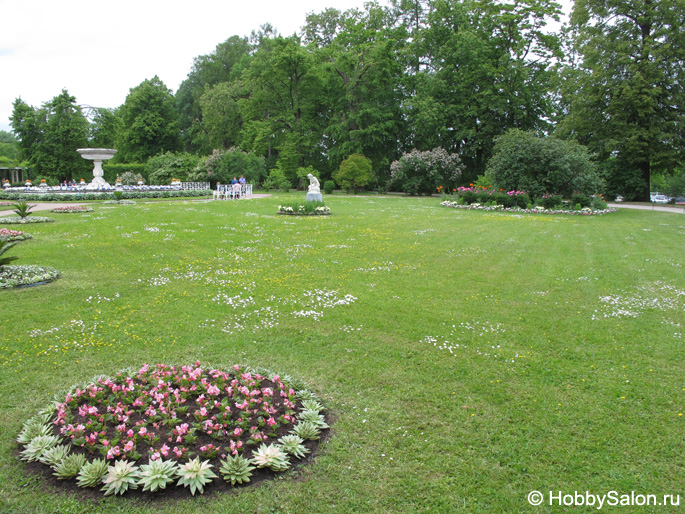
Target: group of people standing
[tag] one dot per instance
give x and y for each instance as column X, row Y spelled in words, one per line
column 236, row 187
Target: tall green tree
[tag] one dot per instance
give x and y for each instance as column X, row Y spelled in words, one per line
column 149, row 122
column 50, row 135
column 363, row 88
column 487, row 70
column 281, row 106
column 624, row 95
column 223, row 65
column 104, row 128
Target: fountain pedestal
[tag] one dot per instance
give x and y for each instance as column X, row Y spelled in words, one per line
column 97, row 155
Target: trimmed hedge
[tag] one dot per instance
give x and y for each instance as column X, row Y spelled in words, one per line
column 111, row 171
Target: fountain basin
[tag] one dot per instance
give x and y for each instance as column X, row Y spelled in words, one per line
column 97, row 155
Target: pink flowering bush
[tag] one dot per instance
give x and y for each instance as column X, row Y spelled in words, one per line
column 177, row 414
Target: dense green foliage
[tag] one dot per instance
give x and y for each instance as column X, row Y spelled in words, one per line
column 50, row 135
column 355, row 172
column 149, row 122
column 624, row 98
column 224, row 165
column 164, row 167
column 542, row 165
column 413, row 75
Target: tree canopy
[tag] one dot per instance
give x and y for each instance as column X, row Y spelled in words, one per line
column 412, row 76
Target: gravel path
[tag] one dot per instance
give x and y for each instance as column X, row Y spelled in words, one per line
column 679, row 209
column 41, row 206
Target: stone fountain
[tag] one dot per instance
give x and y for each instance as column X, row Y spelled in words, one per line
column 97, row 155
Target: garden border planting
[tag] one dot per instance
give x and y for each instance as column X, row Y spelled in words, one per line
column 175, row 427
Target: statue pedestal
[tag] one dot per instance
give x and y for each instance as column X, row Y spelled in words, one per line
column 314, row 197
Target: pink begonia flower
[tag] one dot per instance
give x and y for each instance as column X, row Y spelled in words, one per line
column 142, row 431
column 237, row 432
column 155, row 456
column 177, row 451
column 113, row 452
column 271, row 421
column 129, row 433
column 128, row 446
column 105, row 443
column 164, row 450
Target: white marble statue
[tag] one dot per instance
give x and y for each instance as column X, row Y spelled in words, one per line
column 313, row 184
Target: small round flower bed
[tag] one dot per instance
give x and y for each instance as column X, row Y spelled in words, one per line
column 26, row 275
column 72, row 208
column 14, row 235
column 16, row 220
column 305, row 210
column 175, row 430
column 585, row 211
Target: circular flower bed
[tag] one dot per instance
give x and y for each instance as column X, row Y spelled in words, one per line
column 26, row 275
column 72, row 208
column 14, row 235
column 585, row 211
column 171, row 428
column 304, row 211
column 16, row 220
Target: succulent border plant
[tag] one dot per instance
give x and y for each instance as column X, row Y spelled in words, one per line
column 157, row 474
column 313, row 417
column 92, row 473
column 236, row 470
column 38, row 446
column 54, row 455
column 120, row 478
column 69, row 466
column 307, row 430
column 272, row 457
column 292, row 445
column 33, row 427
column 195, row 474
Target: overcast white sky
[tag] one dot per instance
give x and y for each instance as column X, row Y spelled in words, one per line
column 99, row 49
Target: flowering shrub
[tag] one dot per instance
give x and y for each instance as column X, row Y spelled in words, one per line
column 72, row 208
column 187, row 419
column 14, row 235
column 423, row 172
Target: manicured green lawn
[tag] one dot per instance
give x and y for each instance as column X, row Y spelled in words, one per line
column 468, row 358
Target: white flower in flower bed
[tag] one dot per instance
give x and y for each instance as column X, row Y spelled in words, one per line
column 72, row 208
column 16, row 276
column 15, row 220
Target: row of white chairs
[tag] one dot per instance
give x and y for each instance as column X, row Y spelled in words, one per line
column 232, row 192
